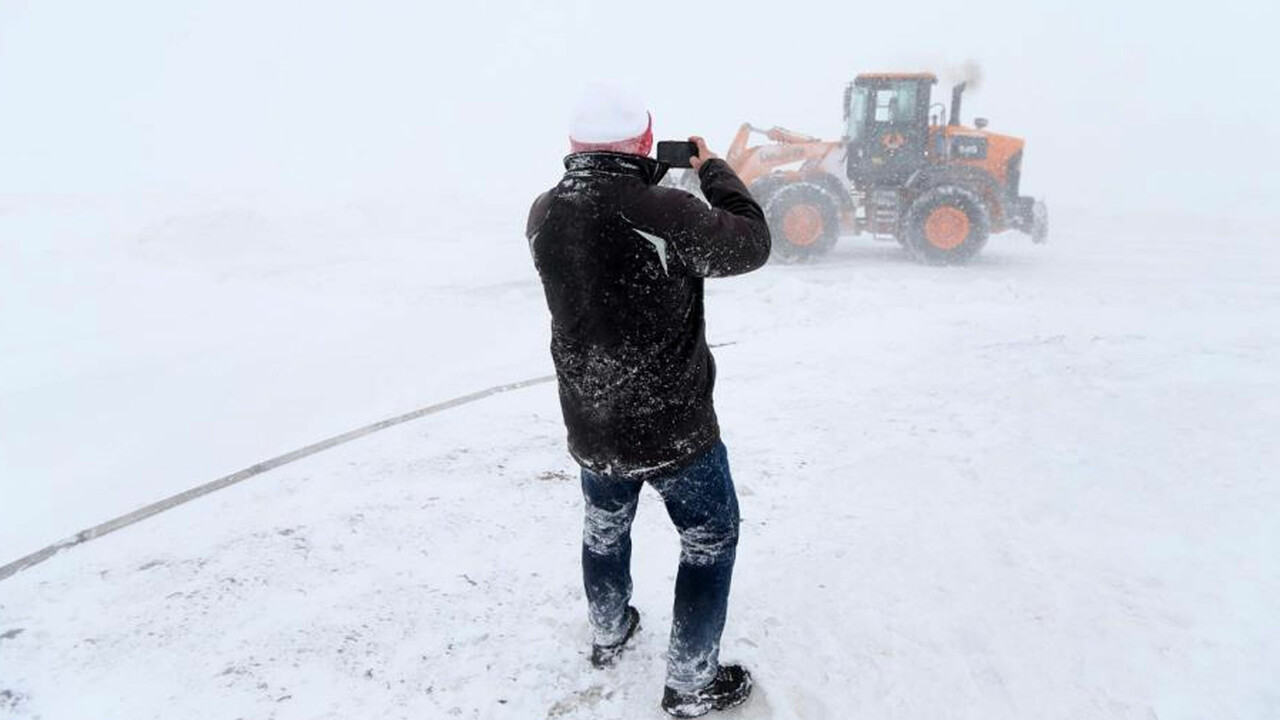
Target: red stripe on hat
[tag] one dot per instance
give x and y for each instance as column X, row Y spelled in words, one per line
column 641, row 144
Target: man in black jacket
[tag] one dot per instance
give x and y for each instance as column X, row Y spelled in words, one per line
column 622, row 262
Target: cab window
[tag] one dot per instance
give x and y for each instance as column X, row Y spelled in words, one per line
column 857, row 113
column 895, row 104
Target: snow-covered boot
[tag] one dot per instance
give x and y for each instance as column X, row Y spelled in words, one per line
column 603, row 656
column 731, row 686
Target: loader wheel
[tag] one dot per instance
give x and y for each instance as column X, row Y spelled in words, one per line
column 804, row 221
column 946, row 225
column 1039, row 223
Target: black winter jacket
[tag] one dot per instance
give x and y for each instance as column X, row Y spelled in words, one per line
column 622, row 262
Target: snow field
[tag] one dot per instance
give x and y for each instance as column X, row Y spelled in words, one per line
column 1041, row 486
column 186, row 349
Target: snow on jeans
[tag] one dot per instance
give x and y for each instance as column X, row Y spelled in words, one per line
column 702, row 504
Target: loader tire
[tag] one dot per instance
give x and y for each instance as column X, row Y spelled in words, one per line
column 761, row 190
column 946, row 225
column 804, row 221
column 1040, row 223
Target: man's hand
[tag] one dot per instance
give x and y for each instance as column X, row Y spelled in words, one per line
column 704, row 153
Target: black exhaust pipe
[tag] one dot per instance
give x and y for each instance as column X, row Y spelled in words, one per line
column 956, row 92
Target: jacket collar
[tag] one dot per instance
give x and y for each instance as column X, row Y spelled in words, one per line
column 609, row 163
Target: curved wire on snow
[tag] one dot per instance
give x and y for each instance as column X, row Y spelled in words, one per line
column 169, row 503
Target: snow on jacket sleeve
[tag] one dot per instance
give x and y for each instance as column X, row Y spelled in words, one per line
column 729, row 238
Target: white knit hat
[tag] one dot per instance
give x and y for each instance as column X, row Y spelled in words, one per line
column 605, row 114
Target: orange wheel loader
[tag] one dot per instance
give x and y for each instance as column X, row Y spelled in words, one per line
column 899, row 173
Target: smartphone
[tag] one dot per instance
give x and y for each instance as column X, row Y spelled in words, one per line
column 677, row 153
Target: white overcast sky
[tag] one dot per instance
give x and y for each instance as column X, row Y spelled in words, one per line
column 1123, row 104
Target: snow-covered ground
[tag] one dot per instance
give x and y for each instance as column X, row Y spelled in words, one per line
column 142, row 356
column 1040, row 486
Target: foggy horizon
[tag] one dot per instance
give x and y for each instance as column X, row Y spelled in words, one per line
column 1122, row 107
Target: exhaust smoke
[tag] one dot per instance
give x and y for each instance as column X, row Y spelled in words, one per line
column 968, row 72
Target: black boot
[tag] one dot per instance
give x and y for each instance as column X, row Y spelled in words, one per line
column 603, row 656
column 731, row 686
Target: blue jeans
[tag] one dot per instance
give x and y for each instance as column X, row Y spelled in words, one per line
column 702, row 504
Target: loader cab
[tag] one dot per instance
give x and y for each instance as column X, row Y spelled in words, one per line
column 887, row 127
